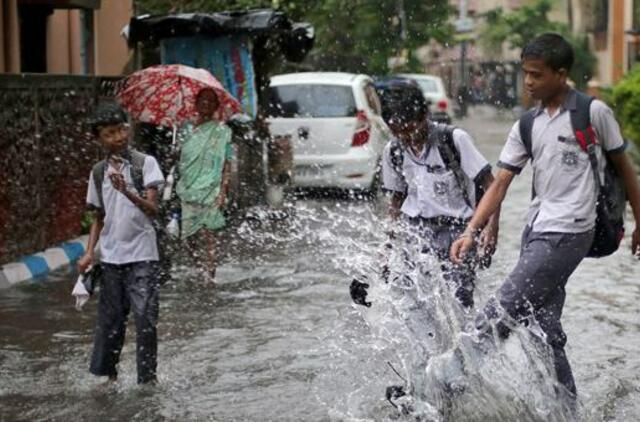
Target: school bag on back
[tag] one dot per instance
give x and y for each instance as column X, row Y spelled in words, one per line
column 611, row 202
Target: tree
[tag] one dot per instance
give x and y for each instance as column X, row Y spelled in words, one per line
column 520, row 26
column 351, row 35
column 626, row 103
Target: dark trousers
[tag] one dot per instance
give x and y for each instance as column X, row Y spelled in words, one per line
column 536, row 288
column 124, row 287
column 436, row 238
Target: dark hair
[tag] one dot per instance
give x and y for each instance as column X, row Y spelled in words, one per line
column 206, row 89
column 553, row 49
column 403, row 100
column 107, row 113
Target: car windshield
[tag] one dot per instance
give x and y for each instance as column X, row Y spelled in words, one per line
column 428, row 85
column 313, row 100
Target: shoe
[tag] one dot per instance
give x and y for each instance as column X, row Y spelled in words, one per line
column 398, row 397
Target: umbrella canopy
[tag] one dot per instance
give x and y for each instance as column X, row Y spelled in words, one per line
column 166, row 95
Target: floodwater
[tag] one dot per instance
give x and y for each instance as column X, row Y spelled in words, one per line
column 278, row 338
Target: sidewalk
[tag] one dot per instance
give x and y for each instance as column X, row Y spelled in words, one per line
column 42, row 263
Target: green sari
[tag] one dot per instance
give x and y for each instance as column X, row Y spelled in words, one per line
column 204, row 150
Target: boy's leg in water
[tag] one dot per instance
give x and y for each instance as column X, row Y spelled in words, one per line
column 113, row 308
column 536, row 287
column 463, row 276
column 415, row 298
column 142, row 291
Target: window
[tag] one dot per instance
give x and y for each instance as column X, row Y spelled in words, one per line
column 33, row 38
column 372, row 98
column 428, row 85
column 311, row 100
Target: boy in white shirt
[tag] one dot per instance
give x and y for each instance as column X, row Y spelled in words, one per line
column 433, row 172
column 122, row 192
column 562, row 217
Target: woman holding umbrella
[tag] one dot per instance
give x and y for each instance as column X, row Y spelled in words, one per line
column 203, row 185
column 174, row 96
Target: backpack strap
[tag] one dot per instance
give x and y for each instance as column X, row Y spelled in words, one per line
column 137, row 170
column 396, row 153
column 526, row 128
column 451, row 158
column 97, row 172
column 583, row 130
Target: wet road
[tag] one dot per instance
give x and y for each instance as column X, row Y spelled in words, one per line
column 278, row 338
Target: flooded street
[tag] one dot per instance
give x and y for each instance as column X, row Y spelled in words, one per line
column 278, row 337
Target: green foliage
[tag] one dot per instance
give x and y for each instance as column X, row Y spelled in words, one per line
column 584, row 62
column 519, row 27
column 626, row 102
column 351, row 35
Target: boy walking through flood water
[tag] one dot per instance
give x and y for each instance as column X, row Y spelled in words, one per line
column 560, row 226
column 123, row 190
column 433, row 172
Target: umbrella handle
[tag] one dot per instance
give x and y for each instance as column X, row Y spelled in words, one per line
column 174, row 137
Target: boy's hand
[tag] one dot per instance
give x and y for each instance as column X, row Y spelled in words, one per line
column 84, row 263
column 488, row 240
column 118, row 182
column 460, row 249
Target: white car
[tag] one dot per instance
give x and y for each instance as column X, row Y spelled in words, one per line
column 433, row 90
column 335, row 125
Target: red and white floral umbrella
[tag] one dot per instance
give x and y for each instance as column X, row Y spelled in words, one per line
column 166, row 95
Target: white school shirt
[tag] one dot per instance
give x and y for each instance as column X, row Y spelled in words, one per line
column 563, row 180
column 128, row 234
column 432, row 190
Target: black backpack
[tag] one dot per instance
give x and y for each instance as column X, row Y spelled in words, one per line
column 611, row 203
column 450, row 156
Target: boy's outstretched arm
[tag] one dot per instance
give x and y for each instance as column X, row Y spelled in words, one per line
column 627, row 171
column 489, row 235
column 94, row 234
column 488, row 206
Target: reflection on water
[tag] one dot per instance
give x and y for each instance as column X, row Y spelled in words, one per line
column 279, row 339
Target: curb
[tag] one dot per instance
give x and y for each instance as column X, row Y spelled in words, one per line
column 42, row 263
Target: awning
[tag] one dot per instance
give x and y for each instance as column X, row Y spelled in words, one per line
column 63, row 4
column 295, row 39
column 252, row 22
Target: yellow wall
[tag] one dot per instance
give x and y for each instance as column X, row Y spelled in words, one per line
column 9, row 37
column 108, row 53
column 112, row 52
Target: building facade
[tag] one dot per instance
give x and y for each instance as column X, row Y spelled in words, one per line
column 613, row 27
column 79, row 37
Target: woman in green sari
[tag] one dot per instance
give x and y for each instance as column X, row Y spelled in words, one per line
column 204, row 180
